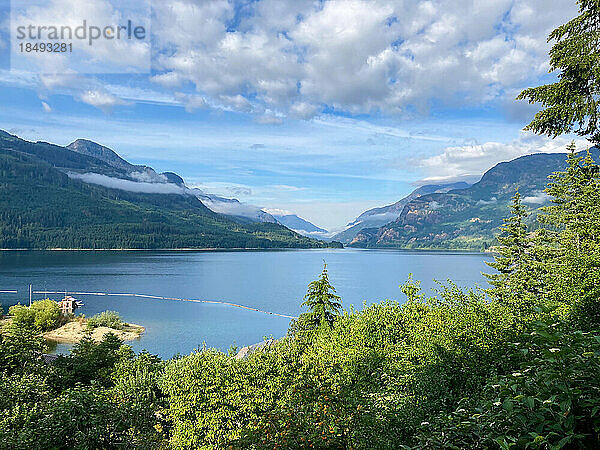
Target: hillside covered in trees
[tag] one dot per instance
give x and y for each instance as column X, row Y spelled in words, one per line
column 42, row 207
column 470, row 217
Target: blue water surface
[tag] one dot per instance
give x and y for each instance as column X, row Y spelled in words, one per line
column 269, row 280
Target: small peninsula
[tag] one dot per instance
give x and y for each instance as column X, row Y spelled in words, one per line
column 56, row 322
column 74, row 331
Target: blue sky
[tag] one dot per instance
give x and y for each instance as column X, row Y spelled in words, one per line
column 321, row 108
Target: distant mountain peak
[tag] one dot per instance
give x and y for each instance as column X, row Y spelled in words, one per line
column 469, row 218
column 90, row 148
column 293, row 222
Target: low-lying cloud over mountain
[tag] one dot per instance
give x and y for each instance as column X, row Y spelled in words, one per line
column 298, row 224
column 537, row 198
column 128, row 185
column 230, row 207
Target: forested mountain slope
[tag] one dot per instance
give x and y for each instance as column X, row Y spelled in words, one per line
column 468, row 218
column 42, row 207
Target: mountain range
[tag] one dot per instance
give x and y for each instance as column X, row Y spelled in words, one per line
column 229, row 206
column 376, row 217
column 86, row 196
column 299, row 225
column 468, row 217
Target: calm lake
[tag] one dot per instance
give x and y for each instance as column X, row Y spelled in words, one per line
column 269, row 280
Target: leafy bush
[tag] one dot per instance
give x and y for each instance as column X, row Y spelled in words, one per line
column 110, row 319
column 47, row 314
column 20, row 348
column 550, row 401
column 22, row 315
column 43, row 314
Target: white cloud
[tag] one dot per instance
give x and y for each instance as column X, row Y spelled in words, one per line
column 168, row 79
column 537, row 198
column 236, row 102
column 303, row 110
column 224, row 189
column 128, row 185
column 104, row 55
column 191, row 102
column 269, row 119
column 356, row 55
column 279, row 212
column 491, row 201
column 46, row 107
column 101, row 100
column 469, row 162
column 233, row 208
column 295, row 57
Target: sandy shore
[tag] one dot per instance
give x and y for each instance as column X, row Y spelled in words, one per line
column 73, row 332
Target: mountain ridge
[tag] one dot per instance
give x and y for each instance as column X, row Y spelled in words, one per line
column 469, row 219
column 298, row 224
column 379, row 216
column 42, row 207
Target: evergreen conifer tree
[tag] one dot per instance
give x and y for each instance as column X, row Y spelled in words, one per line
column 575, row 214
column 513, row 253
column 323, row 303
column 571, row 104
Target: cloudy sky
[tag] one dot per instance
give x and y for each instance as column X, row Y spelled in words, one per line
column 325, row 108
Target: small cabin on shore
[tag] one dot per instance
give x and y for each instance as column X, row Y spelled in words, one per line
column 68, row 305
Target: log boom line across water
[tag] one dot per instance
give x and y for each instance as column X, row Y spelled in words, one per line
column 157, row 297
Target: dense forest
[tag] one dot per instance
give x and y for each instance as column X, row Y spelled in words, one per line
column 513, row 366
column 41, row 207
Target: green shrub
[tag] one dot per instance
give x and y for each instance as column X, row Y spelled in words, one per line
column 47, row 314
column 110, row 319
column 550, row 401
column 22, row 316
column 43, row 314
column 20, row 349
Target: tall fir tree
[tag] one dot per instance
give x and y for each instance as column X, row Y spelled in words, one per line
column 512, row 255
column 571, row 103
column 324, row 305
column 575, row 215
